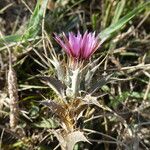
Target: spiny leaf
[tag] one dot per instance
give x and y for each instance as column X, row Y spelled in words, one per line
column 61, row 112
column 55, row 107
column 56, row 85
column 100, row 83
column 73, row 138
column 68, row 140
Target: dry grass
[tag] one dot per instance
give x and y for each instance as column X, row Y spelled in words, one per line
column 115, row 116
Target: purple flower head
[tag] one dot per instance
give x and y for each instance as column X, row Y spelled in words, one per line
column 78, row 46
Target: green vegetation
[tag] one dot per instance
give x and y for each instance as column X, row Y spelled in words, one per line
column 111, row 112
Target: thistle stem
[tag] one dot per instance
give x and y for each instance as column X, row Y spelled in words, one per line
column 75, row 82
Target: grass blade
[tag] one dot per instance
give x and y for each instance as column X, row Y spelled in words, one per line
column 10, row 38
column 35, row 20
column 33, row 25
column 118, row 11
column 106, row 33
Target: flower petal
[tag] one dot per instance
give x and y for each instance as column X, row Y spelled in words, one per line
column 61, row 43
column 78, row 46
column 75, row 43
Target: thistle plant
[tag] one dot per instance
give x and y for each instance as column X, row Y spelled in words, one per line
column 73, row 82
column 120, row 119
column 79, row 49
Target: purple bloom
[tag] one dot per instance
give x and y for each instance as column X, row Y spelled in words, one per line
column 78, row 46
